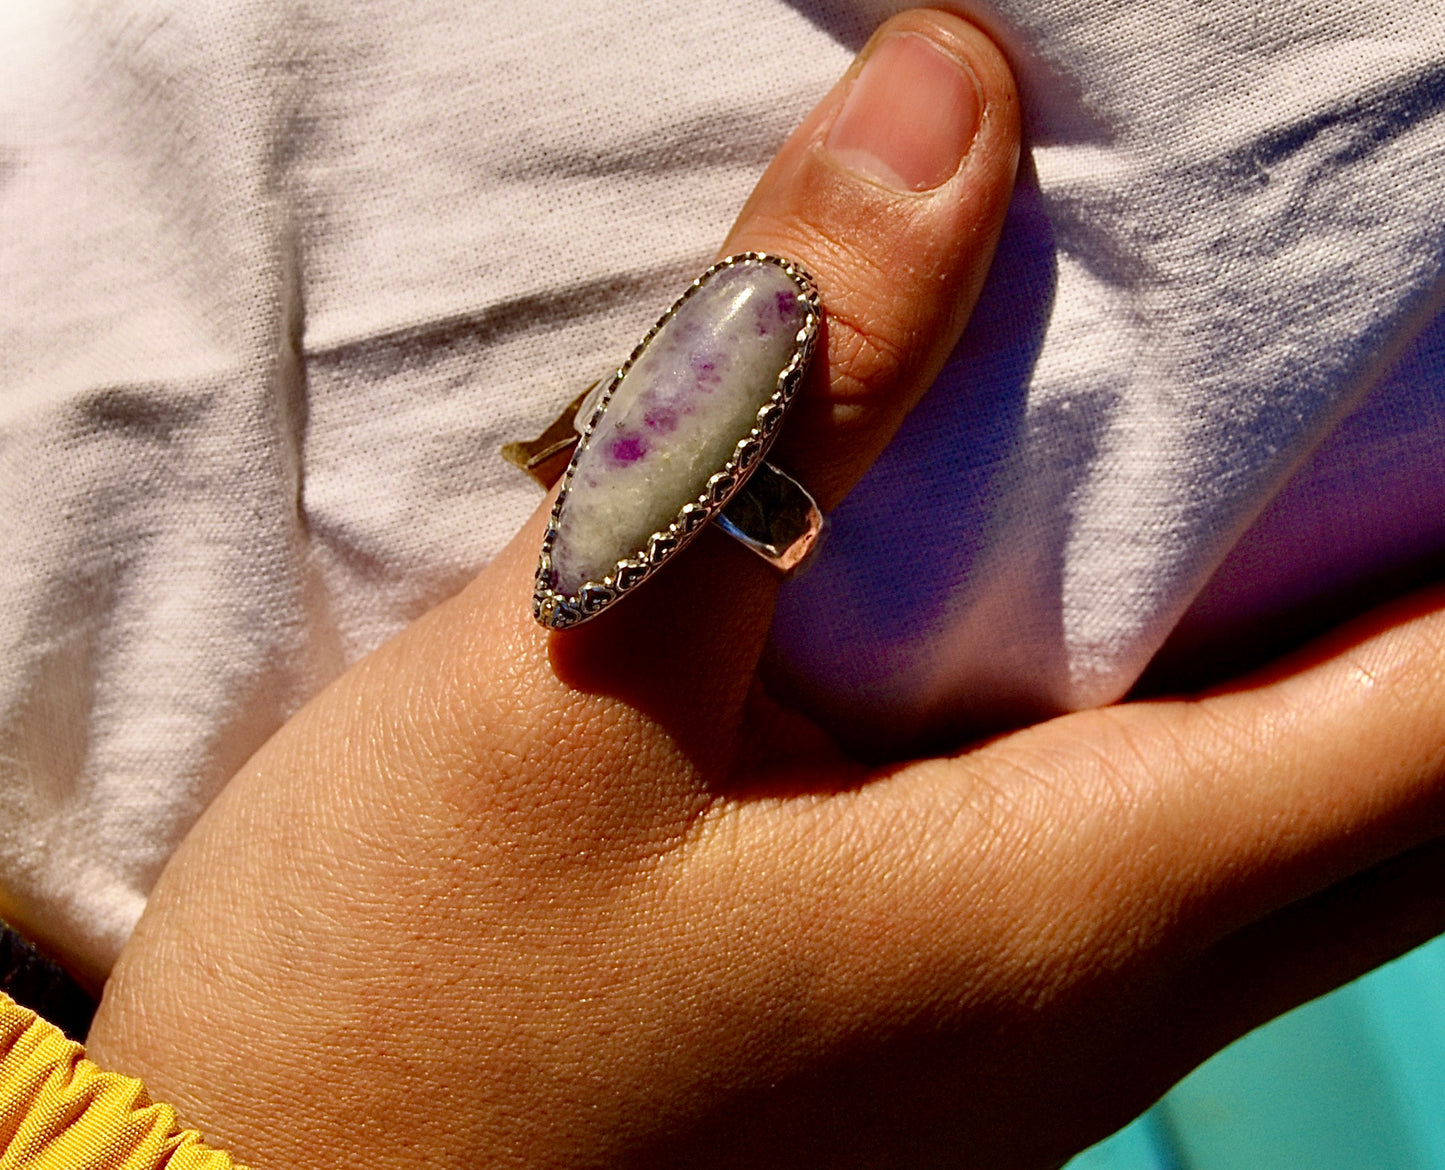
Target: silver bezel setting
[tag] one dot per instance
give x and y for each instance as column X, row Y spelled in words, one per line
column 558, row 610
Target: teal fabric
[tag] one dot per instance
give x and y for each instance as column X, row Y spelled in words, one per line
column 1145, row 1145
column 1353, row 1081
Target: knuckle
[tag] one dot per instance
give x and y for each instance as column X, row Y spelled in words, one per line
column 865, row 358
column 872, row 326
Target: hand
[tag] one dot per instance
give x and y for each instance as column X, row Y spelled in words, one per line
column 499, row 897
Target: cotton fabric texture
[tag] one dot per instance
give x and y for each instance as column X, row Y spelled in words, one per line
column 277, row 280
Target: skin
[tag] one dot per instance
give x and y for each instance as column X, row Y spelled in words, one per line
column 504, row 897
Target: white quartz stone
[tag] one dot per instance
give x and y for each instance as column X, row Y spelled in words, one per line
column 676, row 417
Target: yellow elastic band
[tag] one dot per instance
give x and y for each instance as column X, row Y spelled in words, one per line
column 58, row 1111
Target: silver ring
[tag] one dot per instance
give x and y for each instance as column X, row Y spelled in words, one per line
column 676, row 437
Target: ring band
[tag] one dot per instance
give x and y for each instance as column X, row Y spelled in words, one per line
column 774, row 516
column 677, row 437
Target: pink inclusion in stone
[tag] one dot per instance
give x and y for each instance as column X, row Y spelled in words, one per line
column 627, row 449
column 662, row 419
column 676, row 417
column 784, row 306
column 705, row 370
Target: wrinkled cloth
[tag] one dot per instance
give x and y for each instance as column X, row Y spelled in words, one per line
column 279, row 279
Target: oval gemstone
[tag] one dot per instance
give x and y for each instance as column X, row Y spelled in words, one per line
column 677, row 415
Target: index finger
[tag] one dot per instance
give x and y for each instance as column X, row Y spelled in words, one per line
column 891, row 194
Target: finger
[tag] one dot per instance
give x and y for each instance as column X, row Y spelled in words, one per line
column 892, row 194
column 678, row 655
column 1302, row 952
column 1156, row 878
column 1329, row 764
column 1143, row 836
column 1146, row 832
